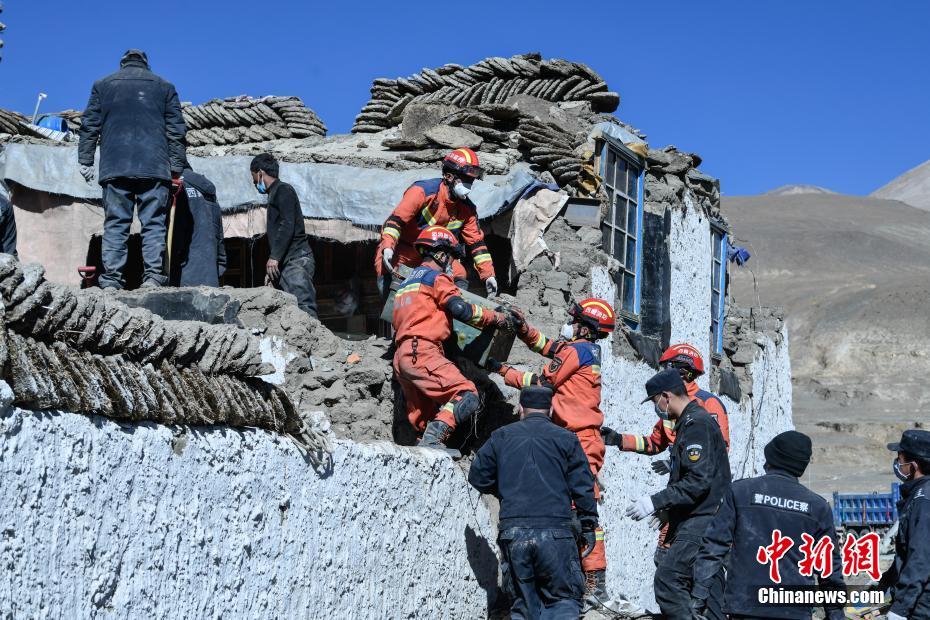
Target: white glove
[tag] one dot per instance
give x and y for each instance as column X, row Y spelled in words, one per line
column 88, row 173
column 893, row 616
column 491, row 285
column 641, row 508
column 386, row 255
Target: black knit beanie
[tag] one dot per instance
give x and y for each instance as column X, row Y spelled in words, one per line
column 790, row 451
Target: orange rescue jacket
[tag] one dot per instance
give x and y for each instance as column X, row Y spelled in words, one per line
column 427, row 203
column 574, row 374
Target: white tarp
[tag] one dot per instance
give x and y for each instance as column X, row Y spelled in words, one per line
column 364, row 196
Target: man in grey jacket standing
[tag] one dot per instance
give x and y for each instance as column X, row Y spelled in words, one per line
column 135, row 116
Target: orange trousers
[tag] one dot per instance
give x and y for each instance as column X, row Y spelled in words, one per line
column 593, row 445
column 406, row 254
column 429, row 382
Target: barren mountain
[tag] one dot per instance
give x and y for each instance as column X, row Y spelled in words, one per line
column 912, row 187
column 791, row 190
column 854, row 275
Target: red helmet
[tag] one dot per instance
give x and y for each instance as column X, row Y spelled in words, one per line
column 596, row 313
column 683, row 355
column 437, row 238
column 463, row 161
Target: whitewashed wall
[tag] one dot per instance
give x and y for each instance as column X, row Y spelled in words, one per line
column 100, row 519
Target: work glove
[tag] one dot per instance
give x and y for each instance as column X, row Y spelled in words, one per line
column 641, row 508
column 491, row 285
column 661, row 466
column 658, row 520
column 386, row 255
column 893, row 616
column 698, row 608
column 492, row 365
column 611, row 437
column 519, row 321
column 587, row 539
column 503, row 319
column 88, row 173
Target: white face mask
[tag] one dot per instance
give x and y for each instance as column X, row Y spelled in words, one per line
column 567, row 332
column 461, row 190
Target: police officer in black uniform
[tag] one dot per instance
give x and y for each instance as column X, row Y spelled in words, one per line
column 909, row 575
column 700, row 474
column 537, row 469
column 751, row 510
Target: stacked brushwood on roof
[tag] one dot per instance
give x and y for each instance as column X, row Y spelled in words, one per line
column 238, row 120
column 11, row 122
column 493, row 80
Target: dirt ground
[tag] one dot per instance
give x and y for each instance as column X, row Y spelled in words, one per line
column 854, row 275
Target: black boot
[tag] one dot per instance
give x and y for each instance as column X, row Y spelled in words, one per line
column 595, row 595
column 435, row 435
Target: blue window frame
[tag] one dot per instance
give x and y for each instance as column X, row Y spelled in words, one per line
column 621, row 228
column 718, row 286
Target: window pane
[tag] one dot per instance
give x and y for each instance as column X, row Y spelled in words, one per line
column 610, row 201
column 631, row 219
column 716, row 239
column 631, row 183
column 610, row 166
column 714, row 306
column 620, row 181
column 628, row 292
column 605, row 238
column 619, row 250
column 715, row 278
column 631, row 253
column 620, row 213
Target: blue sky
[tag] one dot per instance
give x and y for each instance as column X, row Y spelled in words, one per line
column 769, row 93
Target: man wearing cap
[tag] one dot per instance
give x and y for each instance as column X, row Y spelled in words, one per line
column 700, row 474
column 909, row 575
column 751, row 510
column 537, row 469
column 135, row 116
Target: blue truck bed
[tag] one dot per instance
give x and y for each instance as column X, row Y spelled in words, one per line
column 866, row 509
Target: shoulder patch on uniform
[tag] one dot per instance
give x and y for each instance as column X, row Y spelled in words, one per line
column 429, row 186
column 775, row 501
column 555, row 364
column 694, row 452
column 589, row 354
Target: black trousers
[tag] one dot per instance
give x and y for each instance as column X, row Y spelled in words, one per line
column 297, row 279
column 542, row 572
column 715, row 598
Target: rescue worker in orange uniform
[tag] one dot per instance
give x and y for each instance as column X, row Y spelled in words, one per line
column 687, row 360
column 438, row 397
column 437, row 202
column 574, row 374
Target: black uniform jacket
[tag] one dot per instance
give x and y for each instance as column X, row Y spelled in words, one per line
column 751, row 510
column 700, row 474
column 909, row 576
column 286, row 236
column 536, row 468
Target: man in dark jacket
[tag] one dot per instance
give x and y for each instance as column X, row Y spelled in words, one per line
column 751, row 511
column 290, row 266
column 537, row 469
column 198, row 254
column 909, row 575
column 700, row 473
column 7, row 223
column 135, row 116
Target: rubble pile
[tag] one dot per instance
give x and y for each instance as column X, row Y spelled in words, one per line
column 237, row 120
column 493, row 80
column 86, row 352
column 669, row 173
